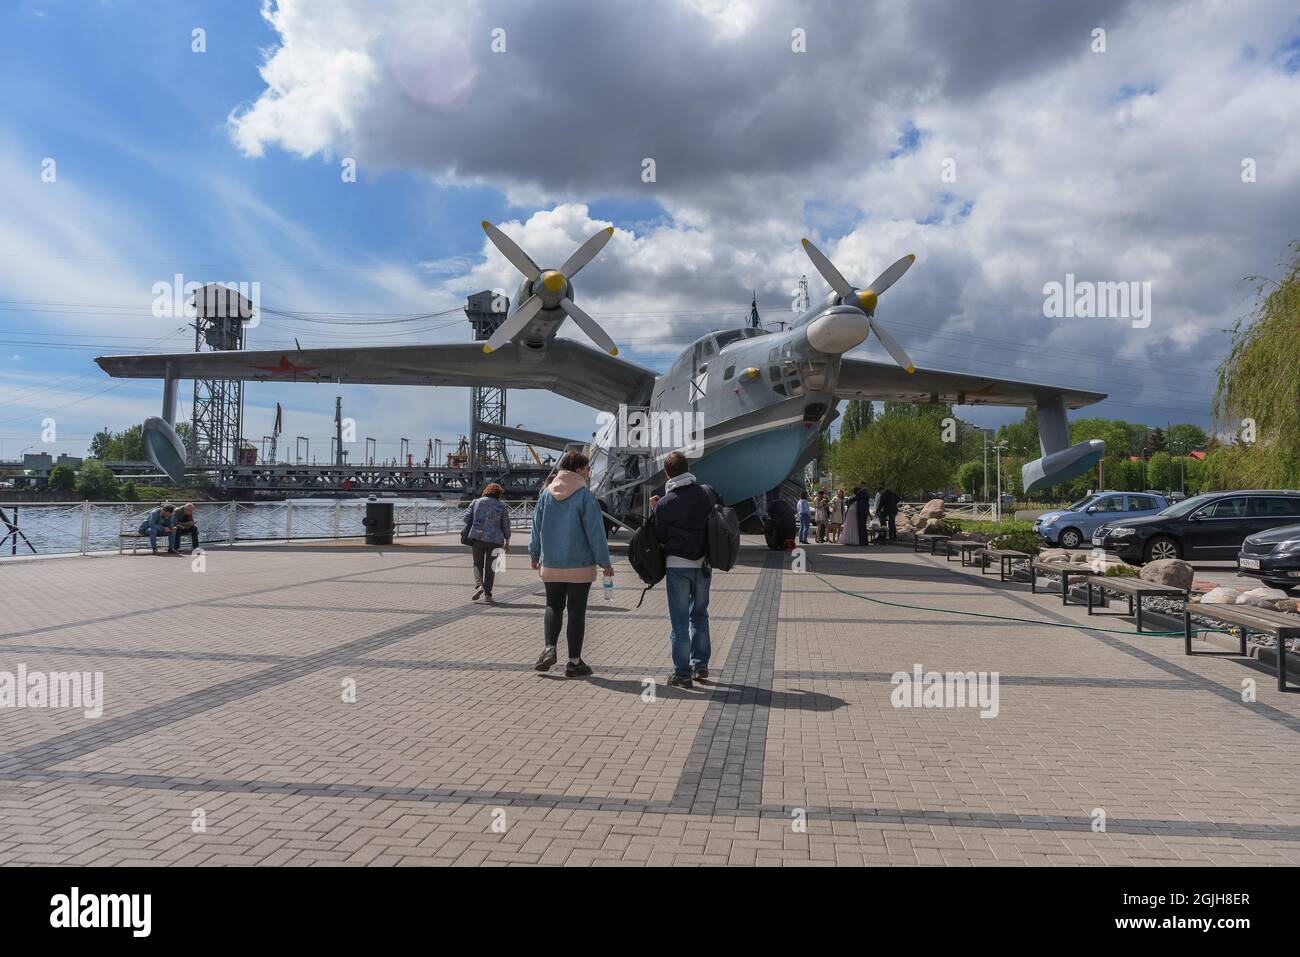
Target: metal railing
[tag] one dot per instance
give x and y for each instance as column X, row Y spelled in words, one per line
column 64, row 528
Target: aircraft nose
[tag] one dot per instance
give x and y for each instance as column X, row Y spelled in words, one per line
column 838, row 330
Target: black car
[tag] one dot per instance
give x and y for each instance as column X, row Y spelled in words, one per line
column 1203, row 527
column 1273, row 556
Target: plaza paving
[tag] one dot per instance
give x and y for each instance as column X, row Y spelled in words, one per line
column 225, row 694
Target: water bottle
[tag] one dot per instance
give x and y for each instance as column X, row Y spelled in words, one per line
column 609, row 588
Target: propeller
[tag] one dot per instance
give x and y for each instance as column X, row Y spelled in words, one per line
column 866, row 299
column 548, row 289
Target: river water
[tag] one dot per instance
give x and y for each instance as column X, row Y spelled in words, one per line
column 60, row 528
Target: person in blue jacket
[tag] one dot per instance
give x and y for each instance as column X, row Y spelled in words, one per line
column 489, row 532
column 568, row 543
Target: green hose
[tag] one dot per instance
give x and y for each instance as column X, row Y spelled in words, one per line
column 1029, row 621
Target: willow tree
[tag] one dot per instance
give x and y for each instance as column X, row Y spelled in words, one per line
column 1258, row 395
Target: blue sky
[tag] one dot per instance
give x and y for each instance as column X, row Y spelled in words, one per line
column 225, row 166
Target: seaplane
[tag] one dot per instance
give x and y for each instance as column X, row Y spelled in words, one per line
column 752, row 402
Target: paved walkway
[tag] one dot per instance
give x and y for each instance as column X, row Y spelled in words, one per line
column 226, row 739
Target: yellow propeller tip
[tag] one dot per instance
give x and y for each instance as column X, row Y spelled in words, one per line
column 487, row 349
column 911, row 370
column 912, row 256
column 805, row 241
column 614, row 351
column 610, row 230
column 486, row 224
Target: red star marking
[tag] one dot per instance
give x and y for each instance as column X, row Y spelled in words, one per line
column 286, row 368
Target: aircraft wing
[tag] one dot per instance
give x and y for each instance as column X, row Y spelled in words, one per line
column 566, row 368
column 863, row 379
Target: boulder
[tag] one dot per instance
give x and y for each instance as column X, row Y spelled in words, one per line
column 932, row 508
column 1263, row 597
column 1220, row 596
column 1173, row 572
column 1080, row 558
column 934, row 526
column 1054, row 555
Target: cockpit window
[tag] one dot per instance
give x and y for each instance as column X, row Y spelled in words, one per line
column 731, row 335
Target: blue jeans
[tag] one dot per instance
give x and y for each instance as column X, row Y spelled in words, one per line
column 804, row 522
column 153, row 531
column 688, row 610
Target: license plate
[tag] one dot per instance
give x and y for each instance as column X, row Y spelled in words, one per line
column 1252, row 563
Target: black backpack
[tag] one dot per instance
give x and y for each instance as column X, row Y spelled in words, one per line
column 647, row 557
column 721, row 535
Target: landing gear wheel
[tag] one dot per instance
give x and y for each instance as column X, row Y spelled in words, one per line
column 1162, row 548
column 1070, row 538
column 780, row 526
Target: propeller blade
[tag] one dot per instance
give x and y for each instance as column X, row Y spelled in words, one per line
column 589, row 326
column 586, row 253
column 830, row 273
column 892, row 274
column 517, row 257
column 891, row 346
column 514, row 323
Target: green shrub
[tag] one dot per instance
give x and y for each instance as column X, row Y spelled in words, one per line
column 1020, row 541
column 1123, row 571
column 1005, row 527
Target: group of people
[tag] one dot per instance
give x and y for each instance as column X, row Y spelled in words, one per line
column 568, row 546
column 172, row 522
column 845, row 519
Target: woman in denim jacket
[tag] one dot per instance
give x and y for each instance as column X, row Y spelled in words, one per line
column 489, row 530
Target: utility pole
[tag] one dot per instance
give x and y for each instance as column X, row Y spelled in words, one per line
column 338, row 430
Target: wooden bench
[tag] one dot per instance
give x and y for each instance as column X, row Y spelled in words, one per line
column 933, row 540
column 964, row 548
column 1134, row 588
column 1247, row 618
column 1005, row 557
column 1065, row 569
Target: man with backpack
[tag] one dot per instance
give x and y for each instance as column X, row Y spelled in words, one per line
column 679, row 520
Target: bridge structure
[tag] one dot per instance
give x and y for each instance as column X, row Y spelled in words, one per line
column 518, row 480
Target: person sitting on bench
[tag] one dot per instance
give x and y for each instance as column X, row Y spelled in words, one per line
column 156, row 521
column 183, row 523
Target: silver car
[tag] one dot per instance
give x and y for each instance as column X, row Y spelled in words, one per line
column 1074, row 526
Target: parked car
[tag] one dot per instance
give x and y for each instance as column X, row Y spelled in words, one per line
column 1075, row 525
column 964, row 499
column 1209, row 526
column 1272, row 556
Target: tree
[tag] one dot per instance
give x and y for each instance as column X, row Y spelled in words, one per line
column 96, row 482
column 1185, row 438
column 1258, row 394
column 1163, row 472
column 858, row 414
column 971, row 478
column 63, row 478
column 129, row 492
column 904, row 452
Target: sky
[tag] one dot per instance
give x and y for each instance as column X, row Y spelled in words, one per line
column 1007, row 144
